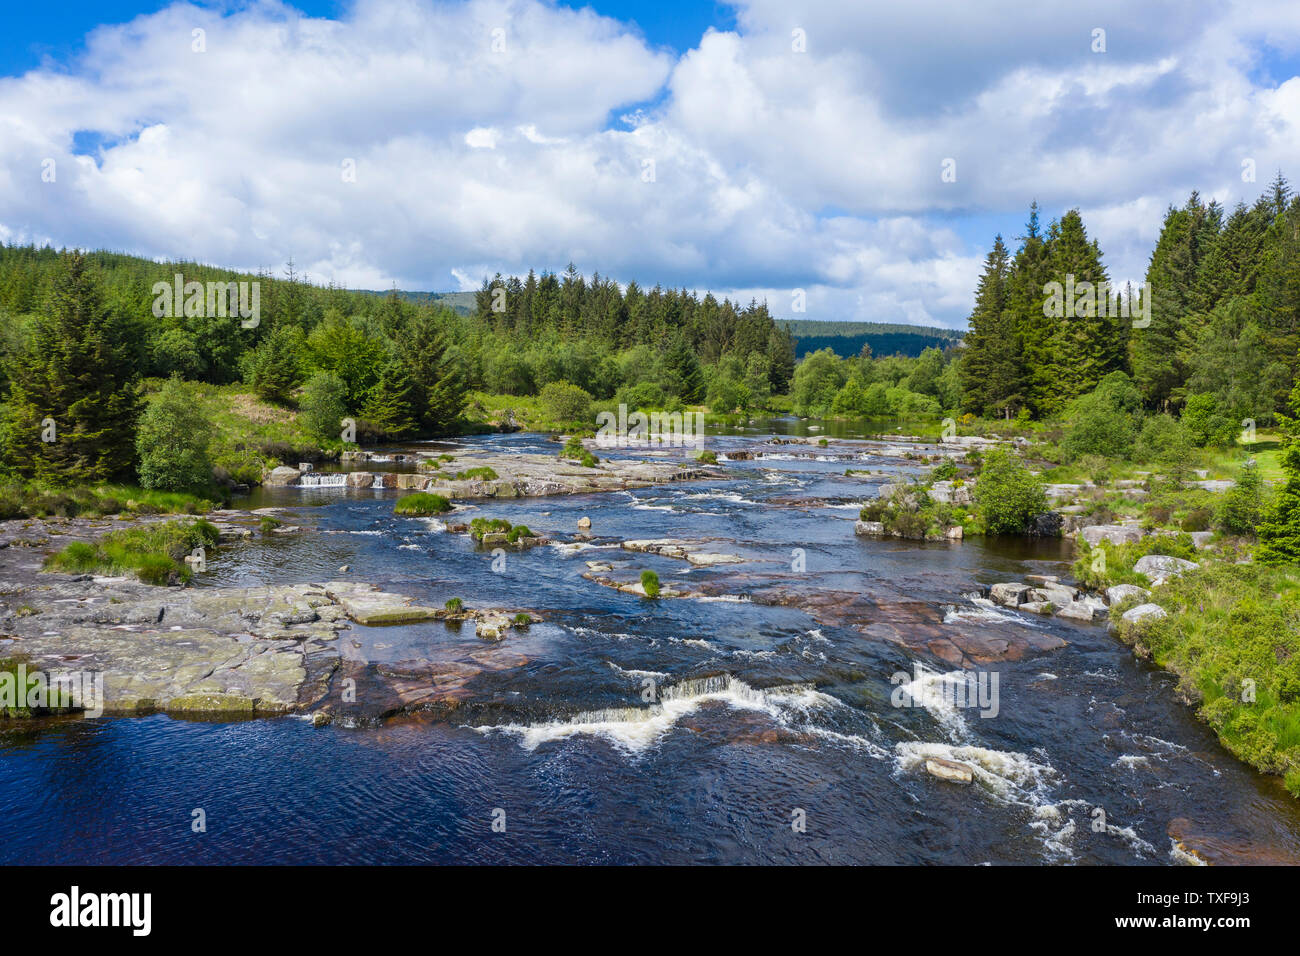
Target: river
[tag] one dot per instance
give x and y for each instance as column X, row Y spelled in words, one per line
column 773, row 739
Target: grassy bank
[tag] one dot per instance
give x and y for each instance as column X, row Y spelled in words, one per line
column 1232, row 636
column 35, row 500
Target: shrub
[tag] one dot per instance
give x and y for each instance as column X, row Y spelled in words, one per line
column 322, row 406
column 172, row 440
column 650, row 584
column 1008, row 496
column 1242, row 506
column 421, row 503
column 1104, row 422
column 517, row 532
column 454, row 605
column 945, row 471
column 563, row 402
column 523, row 620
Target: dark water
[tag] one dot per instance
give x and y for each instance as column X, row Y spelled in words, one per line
column 768, row 716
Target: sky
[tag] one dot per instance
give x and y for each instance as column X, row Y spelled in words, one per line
column 862, row 152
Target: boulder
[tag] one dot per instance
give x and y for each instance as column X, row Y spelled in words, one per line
column 954, row 533
column 360, row 479
column 1058, row 594
column 584, row 523
column 1046, row 525
column 949, row 770
column 1144, row 612
column 876, row 528
column 284, row 475
column 1009, row 594
column 1037, row 607
column 1113, row 533
column 1121, row 592
column 1161, row 566
column 1081, row 611
column 1042, row 579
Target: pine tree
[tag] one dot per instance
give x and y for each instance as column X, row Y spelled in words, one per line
column 391, row 404
column 991, row 370
column 73, row 403
column 1031, row 271
column 435, row 373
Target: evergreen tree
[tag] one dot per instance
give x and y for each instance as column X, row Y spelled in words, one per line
column 435, row 373
column 990, row 368
column 75, row 373
column 391, row 404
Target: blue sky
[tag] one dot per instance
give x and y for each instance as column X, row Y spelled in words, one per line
column 752, row 148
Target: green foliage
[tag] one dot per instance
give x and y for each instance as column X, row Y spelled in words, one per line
column 1116, row 565
column 1241, row 509
column 1007, row 495
column 1205, row 424
column 454, row 605
column 565, row 402
column 1104, row 421
column 421, row 503
column 522, row 620
column 173, row 439
column 650, row 583
column 482, row 473
column 481, row 526
column 274, row 368
column 76, row 371
column 323, row 406
column 817, row 379
column 1232, row 635
column 518, row 531
column 153, row 552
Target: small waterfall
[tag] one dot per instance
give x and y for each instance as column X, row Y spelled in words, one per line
column 320, row 480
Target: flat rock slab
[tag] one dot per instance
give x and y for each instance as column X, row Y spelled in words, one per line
column 682, row 550
column 527, row 476
column 367, row 605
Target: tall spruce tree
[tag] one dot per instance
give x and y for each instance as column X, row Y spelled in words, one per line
column 73, row 401
column 991, row 369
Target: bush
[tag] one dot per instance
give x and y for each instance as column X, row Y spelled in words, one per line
column 1104, row 422
column 1160, row 434
column 421, row 503
column 172, row 440
column 1007, row 495
column 523, row 620
column 563, row 402
column 945, row 471
column 454, row 605
column 1242, row 506
column 650, row 584
column 517, row 532
column 322, row 406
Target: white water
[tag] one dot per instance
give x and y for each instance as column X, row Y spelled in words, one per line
column 320, row 480
column 634, row 729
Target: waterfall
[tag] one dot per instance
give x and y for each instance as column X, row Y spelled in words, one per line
column 320, row 480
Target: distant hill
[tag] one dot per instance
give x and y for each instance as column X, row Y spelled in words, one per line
column 459, row 302
column 885, row 338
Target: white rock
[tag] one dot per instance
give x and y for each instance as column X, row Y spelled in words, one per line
column 1144, row 612
column 1161, row 565
column 1114, row 533
column 1120, row 592
column 1008, row 594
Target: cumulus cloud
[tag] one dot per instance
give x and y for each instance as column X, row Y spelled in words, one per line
column 428, row 144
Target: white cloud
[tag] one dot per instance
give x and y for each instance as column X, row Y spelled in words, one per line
column 506, row 134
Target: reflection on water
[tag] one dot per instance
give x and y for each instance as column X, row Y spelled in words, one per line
column 753, row 712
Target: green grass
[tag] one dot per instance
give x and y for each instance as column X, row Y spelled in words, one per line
column 421, row 503
column 1230, row 625
column 650, row 583
column 481, row 526
column 38, row 500
column 155, row 553
column 483, row 473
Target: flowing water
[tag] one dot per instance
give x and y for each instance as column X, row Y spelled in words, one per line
column 719, row 730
